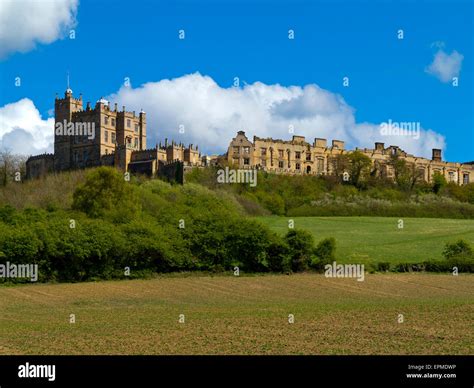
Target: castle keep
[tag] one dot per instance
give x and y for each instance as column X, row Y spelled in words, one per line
column 297, row 156
column 105, row 136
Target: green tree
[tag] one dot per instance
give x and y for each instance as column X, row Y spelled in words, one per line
column 439, row 181
column 359, row 167
column 301, row 247
column 105, row 192
column 340, row 163
column 459, row 248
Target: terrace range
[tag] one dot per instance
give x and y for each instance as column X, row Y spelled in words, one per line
column 104, row 136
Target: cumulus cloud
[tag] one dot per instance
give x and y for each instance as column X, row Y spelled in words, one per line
column 211, row 115
column 23, row 23
column 445, row 66
column 23, row 130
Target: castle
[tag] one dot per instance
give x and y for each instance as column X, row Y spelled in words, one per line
column 102, row 136
column 297, row 156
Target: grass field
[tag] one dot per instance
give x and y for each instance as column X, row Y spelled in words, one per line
column 245, row 315
column 375, row 239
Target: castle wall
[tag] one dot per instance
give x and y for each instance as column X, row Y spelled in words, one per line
column 296, row 156
column 39, row 165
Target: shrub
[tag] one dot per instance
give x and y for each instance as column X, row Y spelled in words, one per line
column 105, row 191
column 383, row 266
column 459, row 248
column 439, row 181
column 301, row 248
column 459, row 255
column 326, row 251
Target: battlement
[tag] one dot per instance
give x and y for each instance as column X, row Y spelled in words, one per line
column 296, row 156
column 41, row 156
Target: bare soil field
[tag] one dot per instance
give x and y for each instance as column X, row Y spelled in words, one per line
column 385, row 314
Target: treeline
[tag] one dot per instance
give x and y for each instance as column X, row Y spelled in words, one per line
column 149, row 226
column 367, row 193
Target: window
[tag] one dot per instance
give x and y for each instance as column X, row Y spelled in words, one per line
column 236, row 160
column 114, row 139
column 264, row 162
column 136, row 127
column 451, row 176
column 106, row 120
column 308, row 156
column 128, row 123
column 236, row 150
column 113, row 122
column 246, row 161
column 320, row 165
column 281, row 164
column 465, row 179
column 297, row 166
column 246, row 150
column 297, row 155
column 280, row 154
column 263, row 151
column 106, row 136
column 135, row 142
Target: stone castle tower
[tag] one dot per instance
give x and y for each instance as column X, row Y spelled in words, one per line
column 88, row 137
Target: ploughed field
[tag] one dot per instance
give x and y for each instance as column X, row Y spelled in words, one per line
column 379, row 239
column 242, row 315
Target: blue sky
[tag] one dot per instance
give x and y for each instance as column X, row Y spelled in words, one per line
column 388, row 77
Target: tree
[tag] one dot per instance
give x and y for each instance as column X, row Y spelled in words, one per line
column 340, row 164
column 10, row 164
column 459, row 248
column 301, row 248
column 105, row 191
column 359, row 167
column 406, row 175
column 439, row 181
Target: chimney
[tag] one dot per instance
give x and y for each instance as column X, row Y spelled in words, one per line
column 123, row 108
column 379, row 146
column 116, row 107
column 88, row 107
column 436, row 155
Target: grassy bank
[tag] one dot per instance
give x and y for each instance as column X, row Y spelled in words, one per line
column 376, row 239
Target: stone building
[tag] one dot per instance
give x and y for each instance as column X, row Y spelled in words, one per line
column 88, row 137
column 297, row 156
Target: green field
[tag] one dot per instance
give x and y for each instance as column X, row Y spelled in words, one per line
column 376, row 239
column 242, row 315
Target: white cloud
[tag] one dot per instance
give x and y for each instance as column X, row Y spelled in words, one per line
column 23, row 131
column 212, row 115
column 445, row 66
column 23, row 23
